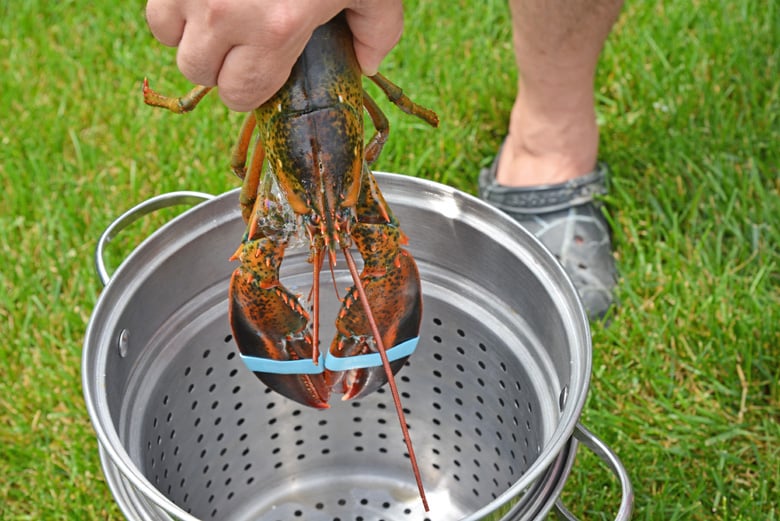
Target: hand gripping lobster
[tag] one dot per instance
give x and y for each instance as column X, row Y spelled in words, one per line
column 318, row 178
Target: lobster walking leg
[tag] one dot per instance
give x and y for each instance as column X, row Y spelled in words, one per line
column 381, row 130
column 178, row 105
column 381, row 124
column 396, row 95
column 238, row 160
column 251, row 180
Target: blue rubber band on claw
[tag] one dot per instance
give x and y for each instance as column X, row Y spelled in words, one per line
column 328, row 361
column 398, row 351
column 267, row 365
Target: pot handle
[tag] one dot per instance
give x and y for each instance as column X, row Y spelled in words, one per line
column 606, row 455
column 133, row 214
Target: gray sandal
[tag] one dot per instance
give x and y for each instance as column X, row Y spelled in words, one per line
column 567, row 219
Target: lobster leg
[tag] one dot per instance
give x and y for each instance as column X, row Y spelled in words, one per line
column 396, row 95
column 381, row 124
column 251, row 179
column 382, row 129
column 238, row 159
column 178, row 105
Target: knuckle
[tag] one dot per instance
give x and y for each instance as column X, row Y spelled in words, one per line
column 241, row 96
column 164, row 26
column 237, row 102
column 283, row 24
column 193, row 69
column 217, row 10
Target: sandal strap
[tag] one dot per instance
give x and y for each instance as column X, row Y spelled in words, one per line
column 544, row 198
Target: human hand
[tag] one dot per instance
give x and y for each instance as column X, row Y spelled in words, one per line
column 248, row 47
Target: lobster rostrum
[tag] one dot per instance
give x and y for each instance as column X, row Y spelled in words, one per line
column 310, row 136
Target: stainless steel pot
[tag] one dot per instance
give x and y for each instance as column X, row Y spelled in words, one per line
column 493, row 394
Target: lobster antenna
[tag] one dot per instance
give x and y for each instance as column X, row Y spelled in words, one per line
column 315, row 293
column 333, row 278
column 388, row 370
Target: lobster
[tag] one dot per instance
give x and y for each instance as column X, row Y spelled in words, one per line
column 317, row 179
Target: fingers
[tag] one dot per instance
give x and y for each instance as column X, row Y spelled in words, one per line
column 248, row 47
column 260, row 62
column 201, row 54
column 165, row 20
column 376, row 29
column 248, row 77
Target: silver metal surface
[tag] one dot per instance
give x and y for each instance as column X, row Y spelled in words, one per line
column 492, row 395
column 135, row 213
column 602, row 450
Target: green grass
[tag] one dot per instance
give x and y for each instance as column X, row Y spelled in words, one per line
column 685, row 379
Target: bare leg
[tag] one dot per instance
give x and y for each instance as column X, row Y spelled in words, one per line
column 553, row 135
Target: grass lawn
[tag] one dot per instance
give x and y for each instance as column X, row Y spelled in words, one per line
column 685, row 379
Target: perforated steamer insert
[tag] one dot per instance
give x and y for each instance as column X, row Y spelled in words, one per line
column 492, row 395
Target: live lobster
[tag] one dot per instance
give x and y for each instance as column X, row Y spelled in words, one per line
column 310, row 135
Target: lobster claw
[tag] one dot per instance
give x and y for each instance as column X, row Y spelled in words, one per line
column 391, row 283
column 269, row 323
